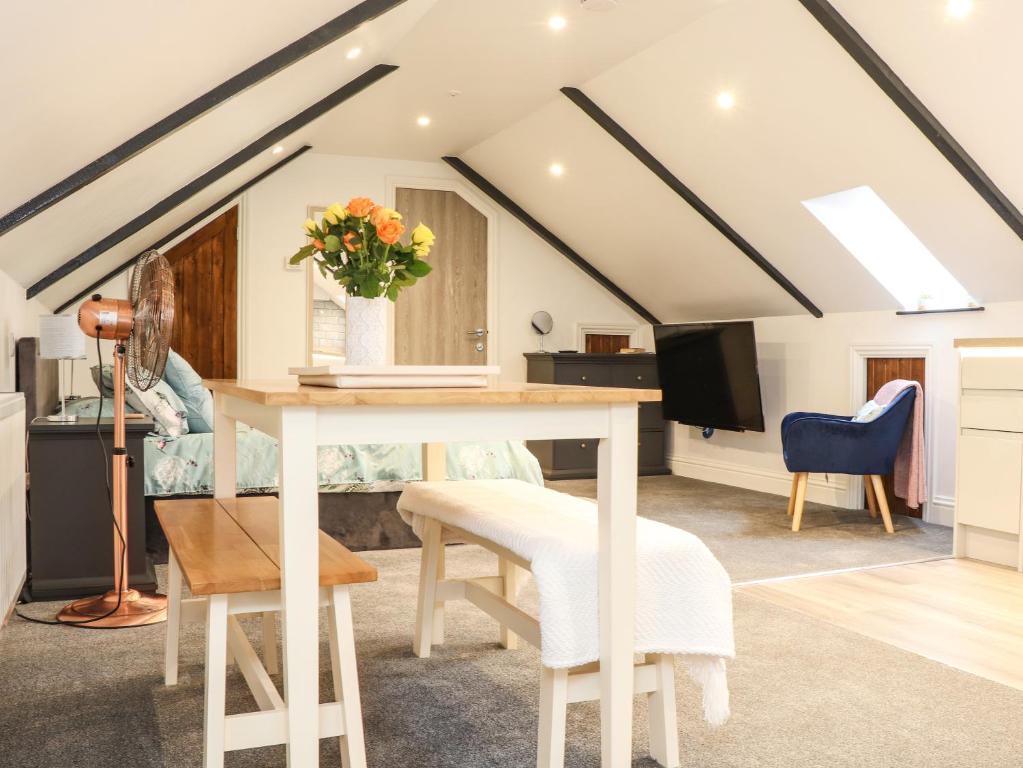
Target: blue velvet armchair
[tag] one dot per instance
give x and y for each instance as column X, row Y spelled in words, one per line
column 821, row 442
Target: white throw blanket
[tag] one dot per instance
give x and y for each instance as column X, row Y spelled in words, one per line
column 683, row 595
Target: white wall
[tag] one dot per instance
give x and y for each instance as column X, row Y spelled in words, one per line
column 530, row 275
column 805, row 366
column 18, row 318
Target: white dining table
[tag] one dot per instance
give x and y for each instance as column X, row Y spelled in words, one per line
column 303, row 418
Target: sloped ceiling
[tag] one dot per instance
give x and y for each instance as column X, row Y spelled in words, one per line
column 807, row 122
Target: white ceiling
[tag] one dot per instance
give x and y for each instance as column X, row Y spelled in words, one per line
column 807, row 122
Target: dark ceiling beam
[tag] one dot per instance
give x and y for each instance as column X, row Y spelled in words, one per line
column 548, row 237
column 328, row 33
column 914, row 109
column 262, row 144
column 184, row 227
column 623, row 137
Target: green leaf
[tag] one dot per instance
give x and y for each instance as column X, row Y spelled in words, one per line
column 418, row 268
column 303, row 253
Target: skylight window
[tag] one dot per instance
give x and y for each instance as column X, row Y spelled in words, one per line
column 889, row 250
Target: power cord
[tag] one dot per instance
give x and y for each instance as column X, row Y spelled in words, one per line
column 113, row 515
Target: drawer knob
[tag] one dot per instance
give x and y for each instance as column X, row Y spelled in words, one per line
column 583, row 377
column 639, row 378
column 582, row 445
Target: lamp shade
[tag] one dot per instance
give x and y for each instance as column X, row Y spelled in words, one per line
column 60, row 338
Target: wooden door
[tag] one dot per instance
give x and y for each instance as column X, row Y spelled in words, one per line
column 205, row 268
column 609, row 343
column 436, row 319
column 881, row 370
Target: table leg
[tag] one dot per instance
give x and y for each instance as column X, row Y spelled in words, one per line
column 616, row 510
column 299, row 559
column 225, row 438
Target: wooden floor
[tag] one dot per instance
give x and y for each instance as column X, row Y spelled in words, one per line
column 965, row 614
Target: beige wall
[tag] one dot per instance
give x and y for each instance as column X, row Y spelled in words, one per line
column 18, row 317
column 529, row 274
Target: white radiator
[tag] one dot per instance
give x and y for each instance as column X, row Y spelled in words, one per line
column 12, row 501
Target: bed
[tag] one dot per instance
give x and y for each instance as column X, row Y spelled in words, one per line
column 359, row 485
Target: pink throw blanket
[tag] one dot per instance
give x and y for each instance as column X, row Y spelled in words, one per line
column 909, row 461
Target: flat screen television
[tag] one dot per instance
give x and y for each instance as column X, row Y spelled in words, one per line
column 709, row 375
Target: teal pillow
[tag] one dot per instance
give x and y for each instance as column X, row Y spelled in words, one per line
column 187, row 384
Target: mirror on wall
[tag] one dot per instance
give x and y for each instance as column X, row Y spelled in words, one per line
column 325, row 311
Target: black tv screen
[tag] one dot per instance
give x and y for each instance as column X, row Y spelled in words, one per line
column 709, row 375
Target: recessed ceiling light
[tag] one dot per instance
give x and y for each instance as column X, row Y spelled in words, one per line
column 556, row 169
column 557, row 23
column 277, row 150
column 725, row 99
column 423, row 120
column 958, row 9
column 353, row 53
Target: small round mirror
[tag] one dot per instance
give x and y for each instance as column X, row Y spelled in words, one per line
column 543, row 324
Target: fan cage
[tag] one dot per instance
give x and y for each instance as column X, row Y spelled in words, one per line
column 152, row 301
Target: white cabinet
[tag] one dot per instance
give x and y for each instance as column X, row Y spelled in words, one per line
column 989, row 458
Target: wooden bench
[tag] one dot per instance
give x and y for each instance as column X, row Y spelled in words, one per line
column 227, row 551
column 653, row 674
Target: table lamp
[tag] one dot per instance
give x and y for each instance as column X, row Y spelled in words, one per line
column 60, row 339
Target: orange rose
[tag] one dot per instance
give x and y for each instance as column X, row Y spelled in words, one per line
column 318, row 244
column 390, row 231
column 380, row 214
column 347, row 239
column 360, row 206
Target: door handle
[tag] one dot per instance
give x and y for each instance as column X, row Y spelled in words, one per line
column 479, row 333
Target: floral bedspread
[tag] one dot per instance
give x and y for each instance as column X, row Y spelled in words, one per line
column 184, row 465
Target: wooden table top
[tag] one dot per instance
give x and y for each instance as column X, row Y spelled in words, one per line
column 1004, row 341
column 290, row 392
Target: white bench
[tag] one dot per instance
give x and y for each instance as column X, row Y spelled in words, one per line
column 226, row 550
column 496, row 596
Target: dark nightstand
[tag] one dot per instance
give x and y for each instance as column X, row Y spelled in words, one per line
column 71, row 534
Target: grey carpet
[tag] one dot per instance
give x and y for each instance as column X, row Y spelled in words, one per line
column 804, row 693
column 750, row 532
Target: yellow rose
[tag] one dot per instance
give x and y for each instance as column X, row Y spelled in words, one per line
column 338, row 211
column 310, row 226
column 422, row 236
column 329, row 217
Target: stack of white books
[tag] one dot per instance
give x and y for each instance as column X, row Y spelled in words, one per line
column 395, row 376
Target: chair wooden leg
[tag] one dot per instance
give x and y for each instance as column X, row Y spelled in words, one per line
column 868, row 486
column 509, row 573
column 797, row 509
column 662, row 713
column 170, row 652
column 438, row 608
column 882, row 503
column 550, row 743
column 792, row 493
column 216, row 681
column 428, row 567
column 346, row 677
column 270, row 657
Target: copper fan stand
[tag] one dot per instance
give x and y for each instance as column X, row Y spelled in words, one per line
column 136, row 608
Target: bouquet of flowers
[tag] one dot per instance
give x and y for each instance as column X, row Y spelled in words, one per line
column 357, row 245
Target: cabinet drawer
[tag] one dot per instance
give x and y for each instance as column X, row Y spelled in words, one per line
column 634, row 376
column 651, row 448
column 1002, row 411
column 990, row 471
column 583, row 374
column 651, row 415
column 995, row 372
column 575, row 454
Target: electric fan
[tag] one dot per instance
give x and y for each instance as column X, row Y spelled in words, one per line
column 141, row 330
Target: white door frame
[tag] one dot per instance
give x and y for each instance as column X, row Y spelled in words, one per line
column 858, row 356
column 492, row 216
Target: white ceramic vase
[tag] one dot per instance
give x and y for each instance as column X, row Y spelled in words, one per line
column 365, row 331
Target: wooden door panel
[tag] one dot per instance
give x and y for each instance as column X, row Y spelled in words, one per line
column 609, row 343
column 205, row 276
column 433, row 318
column 881, row 370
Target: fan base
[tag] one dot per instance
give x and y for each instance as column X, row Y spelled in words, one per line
column 137, row 609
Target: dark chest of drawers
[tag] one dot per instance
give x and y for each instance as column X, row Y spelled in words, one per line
column 564, row 459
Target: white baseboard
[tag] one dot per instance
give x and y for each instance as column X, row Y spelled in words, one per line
column 830, row 489
column 941, row 510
